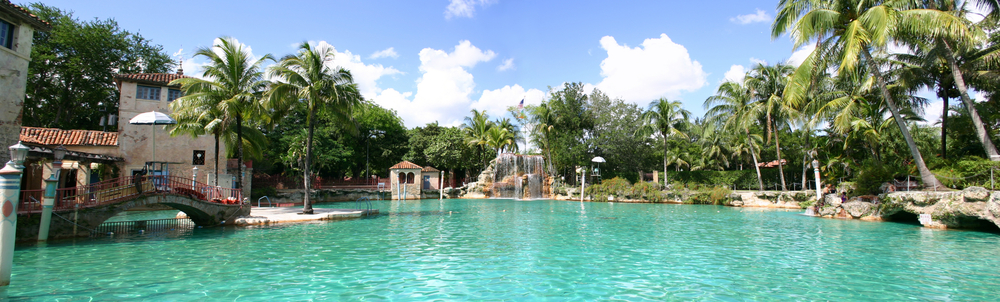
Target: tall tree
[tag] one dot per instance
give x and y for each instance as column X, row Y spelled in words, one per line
column 71, row 76
column 767, row 84
column 664, row 119
column 732, row 106
column 848, row 31
column 307, row 80
column 233, row 83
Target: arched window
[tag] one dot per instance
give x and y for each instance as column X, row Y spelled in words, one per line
column 401, row 178
column 409, row 178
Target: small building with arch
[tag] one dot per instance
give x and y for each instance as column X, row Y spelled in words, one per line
column 404, row 180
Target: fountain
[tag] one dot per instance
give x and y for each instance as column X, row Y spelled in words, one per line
column 515, row 176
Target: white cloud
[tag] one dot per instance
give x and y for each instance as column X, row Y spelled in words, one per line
column 976, row 13
column 385, row 53
column 464, row 8
column 365, row 75
column 507, row 64
column 495, row 102
column 657, row 69
column 444, row 89
column 760, row 16
column 800, row 55
column 758, row 61
column 736, row 73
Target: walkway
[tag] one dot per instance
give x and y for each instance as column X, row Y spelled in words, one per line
column 263, row 216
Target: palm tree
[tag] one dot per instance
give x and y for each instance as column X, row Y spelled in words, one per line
column 544, row 120
column 847, row 31
column 958, row 39
column 475, row 129
column 233, row 86
column 200, row 115
column 732, row 106
column 767, row 84
column 665, row 119
column 308, row 81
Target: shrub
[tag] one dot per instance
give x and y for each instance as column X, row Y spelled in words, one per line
column 717, row 195
column 617, row 187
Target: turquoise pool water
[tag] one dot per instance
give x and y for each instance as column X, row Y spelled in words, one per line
column 525, row 250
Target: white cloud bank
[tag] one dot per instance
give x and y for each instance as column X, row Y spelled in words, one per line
column 759, row 16
column 464, row 8
column 443, row 90
column 385, row 53
column 659, row 68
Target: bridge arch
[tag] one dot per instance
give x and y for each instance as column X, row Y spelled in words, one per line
column 202, row 213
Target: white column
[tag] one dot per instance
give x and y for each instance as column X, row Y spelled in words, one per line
column 10, row 189
column 819, row 190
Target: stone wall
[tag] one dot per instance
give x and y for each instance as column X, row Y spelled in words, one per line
column 13, row 81
column 772, row 199
column 972, row 208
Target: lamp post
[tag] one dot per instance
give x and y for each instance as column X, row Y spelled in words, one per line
column 49, row 201
column 10, row 189
column 367, row 143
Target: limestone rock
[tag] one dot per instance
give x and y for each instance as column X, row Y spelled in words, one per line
column 832, row 199
column 828, row 211
column 975, row 194
column 857, row 209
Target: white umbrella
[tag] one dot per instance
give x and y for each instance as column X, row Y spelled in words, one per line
column 152, row 118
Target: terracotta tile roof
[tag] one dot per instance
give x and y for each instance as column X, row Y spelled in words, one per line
column 150, row 78
column 429, row 169
column 53, row 136
column 405, row 165
column 772, row 164
column 24, row 15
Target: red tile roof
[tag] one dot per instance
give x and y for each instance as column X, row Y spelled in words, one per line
column 429, row 169
column 24, row 15
column 53, row 136
column 150, row 78
column 405, row 165
column 772, row 164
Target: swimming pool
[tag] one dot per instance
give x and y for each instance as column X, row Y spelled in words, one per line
column 525, row 250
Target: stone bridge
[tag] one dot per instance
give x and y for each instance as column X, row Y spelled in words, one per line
column 88, row 207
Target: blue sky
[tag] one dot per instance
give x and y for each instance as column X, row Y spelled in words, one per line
column 440, row 59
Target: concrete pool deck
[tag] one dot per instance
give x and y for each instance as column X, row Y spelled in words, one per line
column 261, row 216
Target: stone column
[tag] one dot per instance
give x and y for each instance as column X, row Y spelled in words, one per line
column 49, row 201
column 10, row 189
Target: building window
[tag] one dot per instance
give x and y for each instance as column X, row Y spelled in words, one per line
column 147, row 93
column 401, row 178
column 409, row 178
column 6, row 34
column 173, row 94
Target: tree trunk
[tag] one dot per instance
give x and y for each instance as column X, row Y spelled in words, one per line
column 944, row 127
column 664, row 161
column 777, row 147
column 239, row 151
column 760, row 181
column 928, row 178
column 216, row 160
column 977, row 122
column 306, row 204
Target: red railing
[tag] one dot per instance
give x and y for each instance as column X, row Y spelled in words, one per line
column 125, row 188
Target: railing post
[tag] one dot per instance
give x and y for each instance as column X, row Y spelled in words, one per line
column 194, row 177
column 49, row 201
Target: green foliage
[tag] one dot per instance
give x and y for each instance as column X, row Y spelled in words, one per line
column 716, row 195
column 969, row 171
column 613, row 137
column 618, row 187
column 736, row 179
column 441, row 147
column 871, row 175
column 258, row 192
column 71, row 76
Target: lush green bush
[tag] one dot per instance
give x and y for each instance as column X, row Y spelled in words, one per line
column 258, row 192
column 716, row 195
column 617, row 187
column 736, row 179
column 647, row 191
column 966, row 172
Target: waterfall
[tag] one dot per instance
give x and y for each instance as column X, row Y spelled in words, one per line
column 518, row 176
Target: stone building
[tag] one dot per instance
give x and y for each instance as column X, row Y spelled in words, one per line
column 403, row 180
column 145, row 92
column 17, row 28
column 410, row 181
